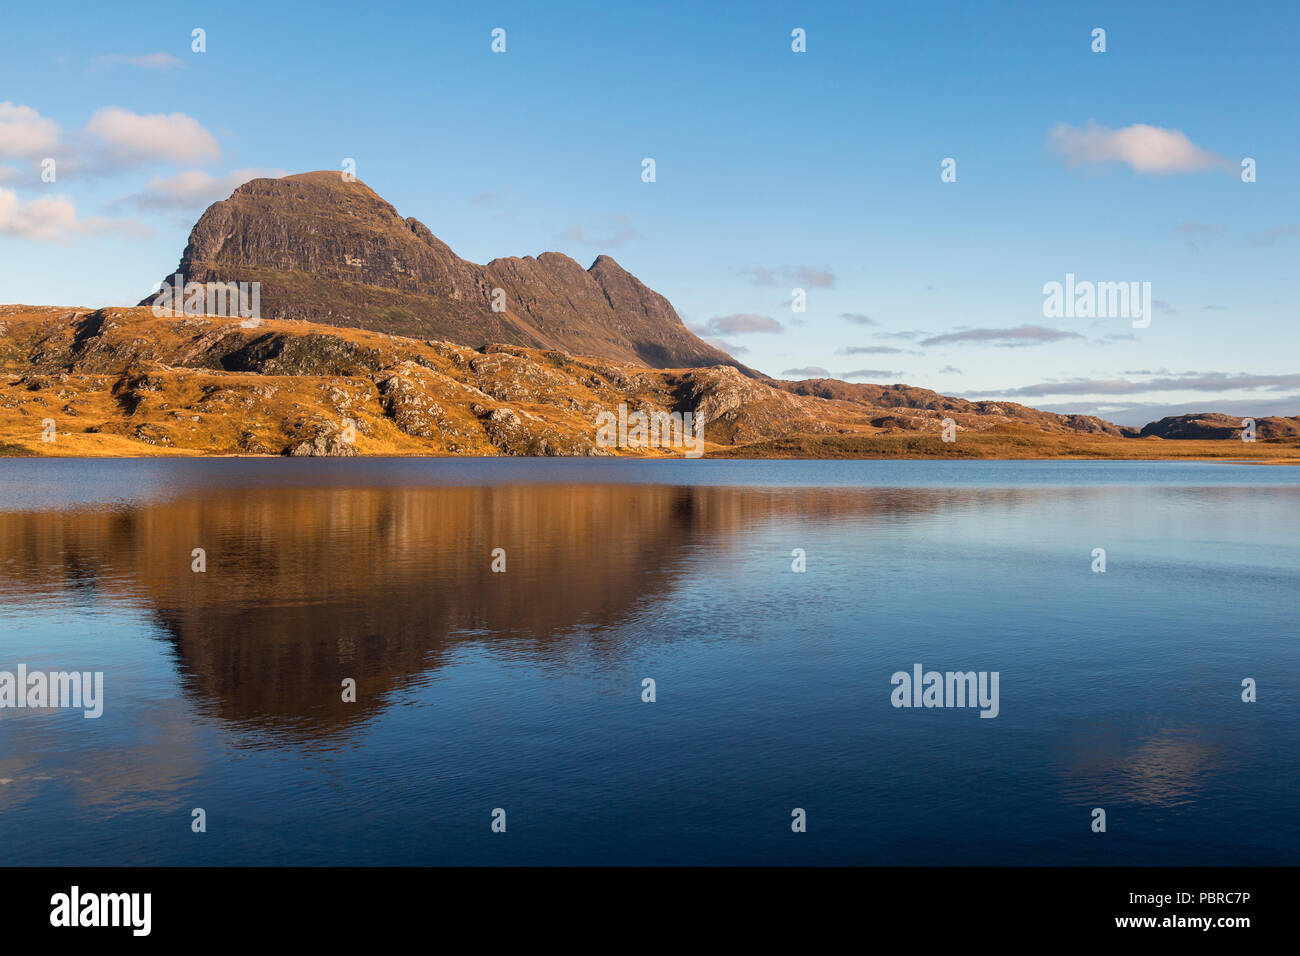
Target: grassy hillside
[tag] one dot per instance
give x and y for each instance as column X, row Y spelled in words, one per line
column 124, row 382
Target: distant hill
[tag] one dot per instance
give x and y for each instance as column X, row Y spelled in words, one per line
column 335, row 253
column 912, row 408
column 1211, row 425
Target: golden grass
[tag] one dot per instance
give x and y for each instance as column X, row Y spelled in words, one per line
column 191, row 411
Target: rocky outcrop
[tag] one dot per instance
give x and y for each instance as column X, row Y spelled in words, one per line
column 517, row 432
column 324, row 446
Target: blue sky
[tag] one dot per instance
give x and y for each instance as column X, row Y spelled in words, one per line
column 775, row 170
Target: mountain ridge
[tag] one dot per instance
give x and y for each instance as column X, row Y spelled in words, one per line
column 332, row 251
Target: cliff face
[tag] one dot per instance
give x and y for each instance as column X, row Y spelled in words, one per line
column 333, row 252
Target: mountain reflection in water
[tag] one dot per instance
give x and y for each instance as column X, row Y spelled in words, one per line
column 477, row 689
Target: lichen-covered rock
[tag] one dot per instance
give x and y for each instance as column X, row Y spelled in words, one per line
column 897, row 423
column 514, row 433
column 409, row 406
column 272, row 353
column 251, row 444
column 509, row 377
column 152, row 435
column 332, row 445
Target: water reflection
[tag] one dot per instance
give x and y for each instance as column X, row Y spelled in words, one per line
column 307, row 586
column 1118, row 690
column 1162, row 767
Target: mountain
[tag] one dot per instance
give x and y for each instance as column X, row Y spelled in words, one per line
column 333, row 252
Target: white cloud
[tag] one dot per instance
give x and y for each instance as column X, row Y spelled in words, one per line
column 872, row 350
column 194, row 188
column 737, row 324
column 173, row 137
column 42, row 219
column 1007, row 338
column 876, row 373
column 1147, row 149
column 24, row 132
column 54, row 219
column 1179, row 382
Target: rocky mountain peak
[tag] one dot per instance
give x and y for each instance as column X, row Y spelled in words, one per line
column 328, row 250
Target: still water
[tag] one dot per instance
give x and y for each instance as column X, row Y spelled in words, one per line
column 523, row 690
